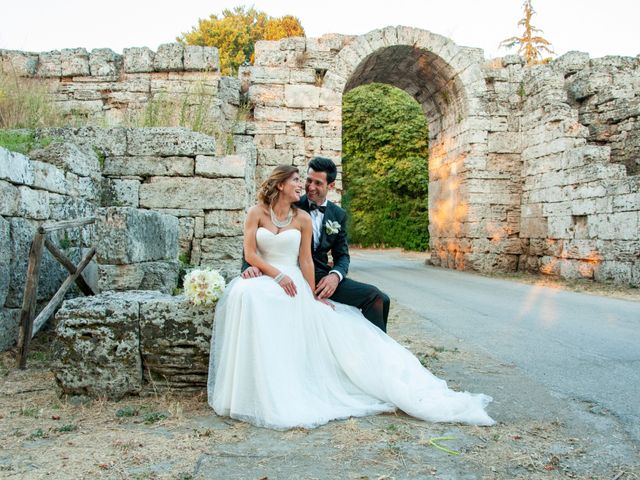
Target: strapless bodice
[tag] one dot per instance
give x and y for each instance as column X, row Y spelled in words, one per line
column 281, row 248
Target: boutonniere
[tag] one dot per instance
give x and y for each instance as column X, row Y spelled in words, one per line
column 332, row 227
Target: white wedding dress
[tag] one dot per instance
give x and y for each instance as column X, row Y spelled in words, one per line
column 283, row 362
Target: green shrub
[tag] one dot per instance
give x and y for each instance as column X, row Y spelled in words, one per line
column 386, row 176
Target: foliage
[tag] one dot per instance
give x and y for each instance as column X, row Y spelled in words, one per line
column 22, row 141
column 530, row 45
column 386, row 177
column 24, row 103
column 237, row 31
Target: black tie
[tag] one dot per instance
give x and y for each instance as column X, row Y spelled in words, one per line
column 313, row 206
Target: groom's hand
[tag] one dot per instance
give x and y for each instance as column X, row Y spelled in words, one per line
column 327, row 285
column 251, row 272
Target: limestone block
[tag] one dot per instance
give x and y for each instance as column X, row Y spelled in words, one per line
column 187, row 227
column 504, row 142
column 216, row 167
column 266, row 128
column 329, row 98
column 229, row 90
column 317, row 129
column 104, row 62
column 301, row 96
column 169, row 57
column 172, row 141
column 224, row 223
column 23, row 64
column 69, row 157
column 148, row 166
column 15, row 168
column 275, row 157
column 138, row 60
column 97, row 346
column 161, row 276
column 5, row 261
column 9, row 200
column 220, row 249
column 277, row 114
column 63, row 207
column 271, row 95
column 175, row 338
column 304, row 75
column 613, row 271
column 74, row 62
column 48, row 177
column 110, row 141
column 271, row 58
column 33, row 203
column 198, row 228
column 628, row 202
column 197, row 58
column 200, row 193
column 269, row 75
column 49, row 64
column 120, row 192
column 127, row 235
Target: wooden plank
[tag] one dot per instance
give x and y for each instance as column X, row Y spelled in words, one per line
column 29, row 299
column 71, row 268
column 59, row 296
column 52, row 227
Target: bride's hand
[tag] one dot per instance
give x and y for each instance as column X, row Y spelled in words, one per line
column 288, row 286
column 326, row 302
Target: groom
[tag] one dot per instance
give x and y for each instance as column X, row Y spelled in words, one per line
column 330, row 235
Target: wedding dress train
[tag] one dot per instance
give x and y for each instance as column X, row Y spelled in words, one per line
column 283, row 362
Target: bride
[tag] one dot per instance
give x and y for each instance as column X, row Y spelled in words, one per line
column 281, row 358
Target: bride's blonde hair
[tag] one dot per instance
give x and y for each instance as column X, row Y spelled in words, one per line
column 268, row 192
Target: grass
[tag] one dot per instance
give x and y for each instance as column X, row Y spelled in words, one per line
column 22, row 141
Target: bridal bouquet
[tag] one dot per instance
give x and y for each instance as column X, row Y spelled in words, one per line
column 203, row 286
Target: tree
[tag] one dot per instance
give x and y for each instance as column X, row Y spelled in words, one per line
column 386, row 176
column 530, row 45
column 237, row 31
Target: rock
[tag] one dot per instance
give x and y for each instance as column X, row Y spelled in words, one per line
column 23, row 64
column 301, row 96
column 224, row 223
column 216, row 167
column 69, row 157
column 200, row 193
column 97, row 345
column 160, row 276
column 229, row 90
column 165, row 142
column 9, row 327
column 169, row 57
column 74, row 62
column 48, row 177
column 197, row 58
column 175, row 338
column 49, row 64
column 120, row 193
column 104, row 62
column 144, row 166
column 5, row 260
column 221, row 249
column 15, row 168
column 9, row 199
column 138, row 60
column 34, row 203
column 108, row 141
column 127, row 235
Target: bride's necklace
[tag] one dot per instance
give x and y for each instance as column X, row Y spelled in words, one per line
column 281, row 223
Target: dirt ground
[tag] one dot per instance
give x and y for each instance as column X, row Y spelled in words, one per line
column 167, row 435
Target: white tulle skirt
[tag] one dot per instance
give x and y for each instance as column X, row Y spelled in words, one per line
column 283, row 362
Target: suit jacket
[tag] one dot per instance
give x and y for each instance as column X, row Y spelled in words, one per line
column 335, row 243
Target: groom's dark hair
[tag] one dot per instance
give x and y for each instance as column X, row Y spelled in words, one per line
column 322, row 164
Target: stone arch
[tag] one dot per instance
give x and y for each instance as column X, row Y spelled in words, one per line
column 447, row 81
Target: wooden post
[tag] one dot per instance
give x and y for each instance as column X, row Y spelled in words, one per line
column 59, row 296
column 71, row 268
column 29, row 299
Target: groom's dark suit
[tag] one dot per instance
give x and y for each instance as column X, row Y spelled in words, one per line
column 373, row 303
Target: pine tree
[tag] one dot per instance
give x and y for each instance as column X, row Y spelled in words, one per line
column 530, row 45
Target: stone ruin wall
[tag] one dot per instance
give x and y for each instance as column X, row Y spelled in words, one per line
column 531, row 168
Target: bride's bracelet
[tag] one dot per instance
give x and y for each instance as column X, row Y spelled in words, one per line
column 279, row 277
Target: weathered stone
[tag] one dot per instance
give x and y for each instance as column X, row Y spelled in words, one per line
column 229, row 90
column 127, row 235
column 5, row 261
column 49, row 64
column 9, row 327
column 108, row 141
column 204, row 193
column 138, row 60
column 97, row 346
column 104, row 62
column 144, row 166
column 301, row 96
column 34, row 203
column 9, row 199
column 120, row 192
column 277, row 114
column 169, row 57
column 23, row 64
column 48, row 177
column 275, row 157
column 62, row 207
column 15, row 168
column 173, row 141
column 160, row 276
column 197, row 58
column 74, row 62
column 271, row 95
column 224, row 223
column 216, row 167
column 69, row 157
column 175, row 338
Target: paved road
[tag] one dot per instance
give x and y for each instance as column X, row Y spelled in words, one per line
column 581, row 346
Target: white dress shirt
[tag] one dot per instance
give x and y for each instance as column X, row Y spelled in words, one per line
column 316, row 220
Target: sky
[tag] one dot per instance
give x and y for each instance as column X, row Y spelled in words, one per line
column 593, row 26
